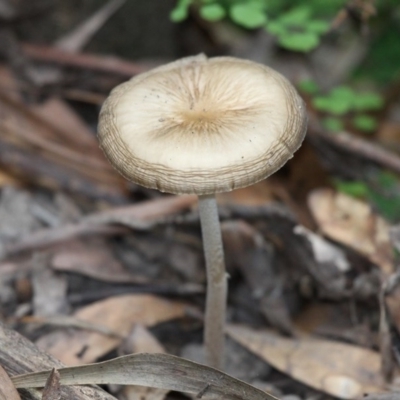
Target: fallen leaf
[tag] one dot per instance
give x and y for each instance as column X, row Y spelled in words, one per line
column 353, row 223
column 141, row 340
column 161, row 371
column 341, row 370
column 7, row 388
column 58, row 114
column 118, row 313
column 93, row 259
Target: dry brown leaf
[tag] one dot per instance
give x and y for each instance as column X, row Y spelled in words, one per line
column 7, row 388
column 93, row 259
column 141, row 340
column 118, row 313
column 339, row 369
column 353, row 223
column 58, row 114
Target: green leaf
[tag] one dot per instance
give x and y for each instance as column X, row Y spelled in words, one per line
column 276, row 28
column 212, row 12
column 332, row 105
column 387, row 206
column 298, row 16
column 318, row 26
column 387, row 180
column 343, row 93
column 365, row 123
column 181, row 10
column 368, row 101
column 308, row 86
column 248, row 15
column 300, row 41
column 339, row 101
column 355, row 189
column 333, row 124
column 385, row 195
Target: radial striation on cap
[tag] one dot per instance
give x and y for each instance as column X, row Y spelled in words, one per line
column 202, row 125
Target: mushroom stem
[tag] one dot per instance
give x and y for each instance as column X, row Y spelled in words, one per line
column 215, row 315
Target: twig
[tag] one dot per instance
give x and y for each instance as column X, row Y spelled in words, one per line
column 364, row 148
column 105, row 64
column 361, row 147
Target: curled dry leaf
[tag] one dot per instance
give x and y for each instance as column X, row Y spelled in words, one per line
column 161, row 371
column 341, row 370
column 118, row 314
column 353, row 223
column 7, row 388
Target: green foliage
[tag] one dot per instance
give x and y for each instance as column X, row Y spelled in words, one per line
column 333, row 124
column 293, row 22
column 342, row 101
column 308, row 86
column 181, row 10
column 365, row 123
column 249, row 15
column 297, row 29
column 382, row 62
column 338, row 102
column 385, row 195
column 368, row 102
column 356, row 189
column 212, row 12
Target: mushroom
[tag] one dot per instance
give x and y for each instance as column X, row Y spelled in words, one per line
column 203, row 125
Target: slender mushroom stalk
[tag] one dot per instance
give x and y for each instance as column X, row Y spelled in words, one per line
column 203, row 126
column 216, row 281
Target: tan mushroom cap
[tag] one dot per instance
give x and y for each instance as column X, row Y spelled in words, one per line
column 202, row 125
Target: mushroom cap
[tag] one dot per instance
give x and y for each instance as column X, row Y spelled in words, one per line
column 202, row 125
